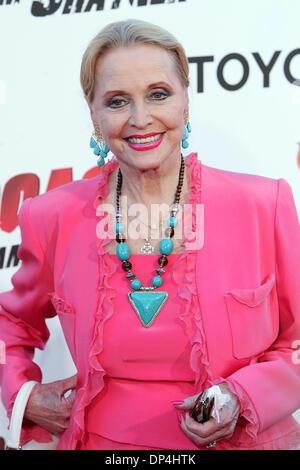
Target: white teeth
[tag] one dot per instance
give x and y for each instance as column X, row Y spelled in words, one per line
column 134, row 140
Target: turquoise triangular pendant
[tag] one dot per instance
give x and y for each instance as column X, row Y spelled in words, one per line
column 147, row 305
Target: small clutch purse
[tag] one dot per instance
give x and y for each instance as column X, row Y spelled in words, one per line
column 201, row 411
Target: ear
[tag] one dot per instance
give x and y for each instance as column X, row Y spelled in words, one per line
column 92, row 116
column 91, row 108
column 186, row 102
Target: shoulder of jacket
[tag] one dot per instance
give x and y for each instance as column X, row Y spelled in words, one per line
column 65, row 199
column 242, row 184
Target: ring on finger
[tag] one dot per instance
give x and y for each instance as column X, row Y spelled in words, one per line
column 211, row 444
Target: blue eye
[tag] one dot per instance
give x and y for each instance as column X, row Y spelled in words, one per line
column 116, row 103
column 160, row 95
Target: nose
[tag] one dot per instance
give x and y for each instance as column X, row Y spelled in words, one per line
column 140, row 116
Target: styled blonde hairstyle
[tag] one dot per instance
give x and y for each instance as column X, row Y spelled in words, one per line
column 124, row 34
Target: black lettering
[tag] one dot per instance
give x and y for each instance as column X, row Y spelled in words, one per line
column 38, row 9
column 287, row 64
column 79, row 5
column 221, row 66
column 2, row 256
column 156, row 2
column 68, row 6
column 116, row 3
column 13, row 256
column 99, row 4
column 200, row 61
column 266, row 69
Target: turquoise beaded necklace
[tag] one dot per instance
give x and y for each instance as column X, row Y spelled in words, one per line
column 145, row 301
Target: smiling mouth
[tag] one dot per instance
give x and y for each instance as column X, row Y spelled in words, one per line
column 144, row 140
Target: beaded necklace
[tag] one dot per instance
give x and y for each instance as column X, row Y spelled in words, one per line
column 145, row 301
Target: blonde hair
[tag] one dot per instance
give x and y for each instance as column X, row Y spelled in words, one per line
column 124, row 34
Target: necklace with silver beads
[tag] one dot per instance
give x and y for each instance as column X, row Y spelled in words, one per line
column 145, row 300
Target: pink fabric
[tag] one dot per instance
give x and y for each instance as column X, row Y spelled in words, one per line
column 96, row 442
column 147, row 368
column 248, row 267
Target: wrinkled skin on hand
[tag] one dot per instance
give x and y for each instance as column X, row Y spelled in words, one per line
column 203, row 434
column 49, row 408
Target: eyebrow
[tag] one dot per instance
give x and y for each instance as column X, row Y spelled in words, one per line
column 122, row 92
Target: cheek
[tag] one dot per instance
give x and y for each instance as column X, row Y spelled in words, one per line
column 113, row 129
column 111, row 126
column 174, row 118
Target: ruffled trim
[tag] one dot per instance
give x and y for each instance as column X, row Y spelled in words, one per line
column 248, row 425
column 192, row 320
column 60, row 305
column 95, row 376
column 33, row 432
column 289, row 442
column 187, row 291
column 247, row 411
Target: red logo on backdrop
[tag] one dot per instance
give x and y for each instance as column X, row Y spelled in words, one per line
column 20, row 187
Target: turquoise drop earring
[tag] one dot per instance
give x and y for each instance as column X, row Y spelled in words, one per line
column 101, row 150
column 186, row 130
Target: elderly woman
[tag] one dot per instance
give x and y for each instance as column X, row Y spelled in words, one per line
column 154, row 320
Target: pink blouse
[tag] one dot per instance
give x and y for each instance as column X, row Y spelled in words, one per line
column 146, row 369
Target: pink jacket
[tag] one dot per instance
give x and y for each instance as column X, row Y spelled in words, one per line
column 247, row 276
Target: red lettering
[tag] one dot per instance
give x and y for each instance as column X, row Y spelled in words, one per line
column 92, row 172
column 20, row 187
column 15, row 191
column 59, row 177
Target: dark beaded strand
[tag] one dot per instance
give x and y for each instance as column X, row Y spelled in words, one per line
column 171, row 231
column 126, row 265
column 120, row 238
column 162, row 260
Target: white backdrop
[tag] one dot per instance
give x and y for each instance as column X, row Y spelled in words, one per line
column 244, row 99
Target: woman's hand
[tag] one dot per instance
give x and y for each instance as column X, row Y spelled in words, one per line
column 49, row 408
column 206, row 433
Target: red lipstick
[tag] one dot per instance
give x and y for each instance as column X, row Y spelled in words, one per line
column 147, row 145
column 143, row 136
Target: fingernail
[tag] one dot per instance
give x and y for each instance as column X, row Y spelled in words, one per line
column 177, row 402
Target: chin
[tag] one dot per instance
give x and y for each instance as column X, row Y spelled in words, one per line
column 148, row 162
column 142, row 159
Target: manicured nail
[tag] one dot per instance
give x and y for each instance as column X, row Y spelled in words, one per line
column 177, row 402
column 179, row 416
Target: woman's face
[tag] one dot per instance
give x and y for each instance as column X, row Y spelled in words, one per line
column 138, row 95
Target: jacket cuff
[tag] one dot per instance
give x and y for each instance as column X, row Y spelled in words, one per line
column 30, row 431
column 248, row 424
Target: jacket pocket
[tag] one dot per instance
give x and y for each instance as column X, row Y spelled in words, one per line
column 253, row 318
column 66, row 315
